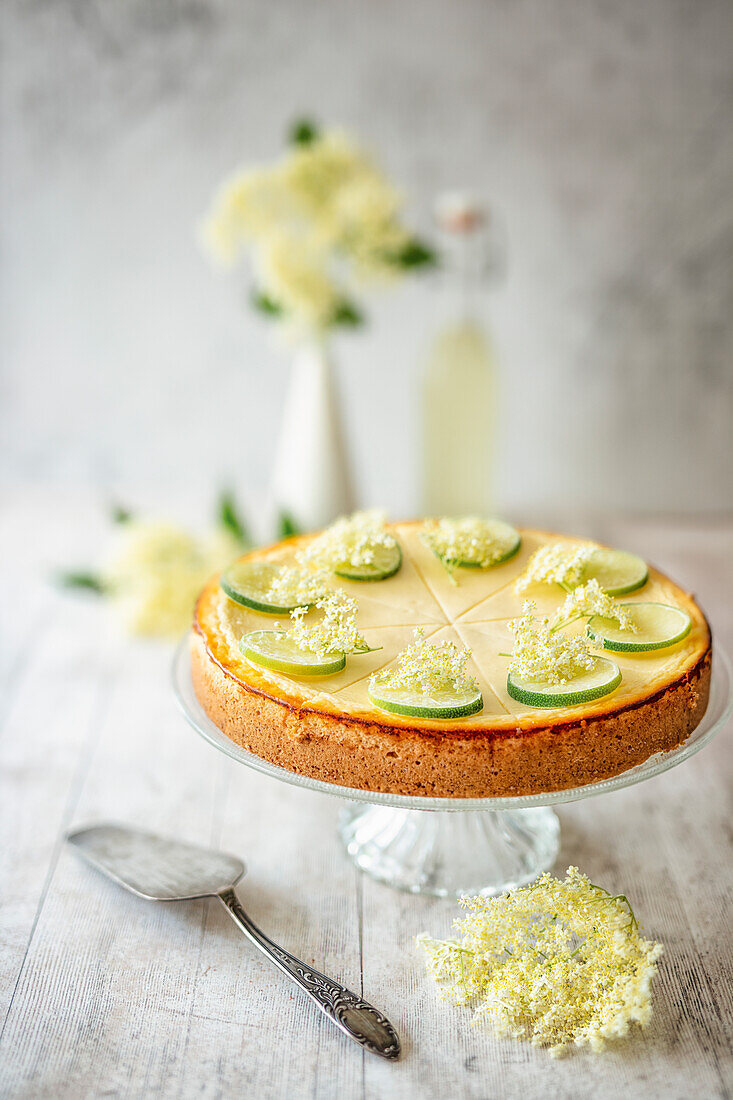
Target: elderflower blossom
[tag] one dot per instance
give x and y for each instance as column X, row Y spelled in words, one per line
column 590, row 599
column 335, row 632
column 544, row 656
column 247, row 207
column 558, row 963
column 157, row 571
column 351, row 205
column 557, row 563
column 295, row 272
column 354, row 540
column 291, row 585
column 469, row 540
column 316, row 217
column 429, row 668
column 366, row 212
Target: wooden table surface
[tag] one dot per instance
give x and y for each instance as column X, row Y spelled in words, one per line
column 102, row 994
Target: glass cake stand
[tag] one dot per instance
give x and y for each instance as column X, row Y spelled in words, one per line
column 448, row 847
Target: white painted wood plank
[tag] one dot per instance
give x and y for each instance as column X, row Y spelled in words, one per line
column 265, row 1037
column 94, row 1002
column 48, row 734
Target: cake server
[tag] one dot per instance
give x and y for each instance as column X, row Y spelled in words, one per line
column 160, row 869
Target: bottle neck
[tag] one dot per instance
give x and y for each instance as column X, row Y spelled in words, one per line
column 463, row 291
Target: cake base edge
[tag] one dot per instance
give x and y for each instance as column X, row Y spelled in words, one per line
column 410, row 762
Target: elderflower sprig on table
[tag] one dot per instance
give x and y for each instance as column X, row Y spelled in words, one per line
column 587, row 600
column 156, row 569
column 543, row 655
column 558, row 963
column 429, row 668
column 335, row 632
column 471, row 539
column 560, row 563
column 352, row 540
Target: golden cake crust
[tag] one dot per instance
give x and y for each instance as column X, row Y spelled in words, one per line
column 502, row 755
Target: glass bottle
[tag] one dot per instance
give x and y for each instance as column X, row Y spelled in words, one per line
column 459, row 380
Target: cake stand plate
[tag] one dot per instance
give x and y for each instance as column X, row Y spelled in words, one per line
column 449, row 847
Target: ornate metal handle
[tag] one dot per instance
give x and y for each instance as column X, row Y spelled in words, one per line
column 356, row 1017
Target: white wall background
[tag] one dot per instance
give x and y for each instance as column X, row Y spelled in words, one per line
column 600, row 130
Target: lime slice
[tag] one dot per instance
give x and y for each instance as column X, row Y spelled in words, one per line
column 417, row 705
column 604, row 678
column 248, row 582
column 387, row 560
column 617, row 571
column 276, row 650
column 503, row 533
column 658, row 625
column 476, row 539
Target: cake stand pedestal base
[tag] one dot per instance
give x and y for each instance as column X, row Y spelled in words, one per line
column 448, row 854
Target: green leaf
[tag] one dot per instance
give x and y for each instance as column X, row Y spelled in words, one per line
column 348, row 314
column 91, row 582
column 345, row 313
column 230, row 519
column 303, row 131
column 265, row 304
column 286, row 526
column 414, row 253
column 120, row 514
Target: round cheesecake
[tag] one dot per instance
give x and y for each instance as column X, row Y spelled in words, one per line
column 327, row 728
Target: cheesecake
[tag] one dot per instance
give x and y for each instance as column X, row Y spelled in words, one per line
column 330, row 729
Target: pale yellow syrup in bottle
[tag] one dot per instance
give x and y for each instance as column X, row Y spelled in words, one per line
column 459, row 381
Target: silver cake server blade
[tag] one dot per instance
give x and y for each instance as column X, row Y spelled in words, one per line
column 160, row 869
column 155, row 867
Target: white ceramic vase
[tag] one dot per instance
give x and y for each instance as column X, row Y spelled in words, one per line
column 312, row 477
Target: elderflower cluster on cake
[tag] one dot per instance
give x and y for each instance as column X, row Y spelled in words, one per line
column 320, row 220
column 354, row 540
column 429, row 669
column 589, row 599
column 294, row 584
column 469, row 541
column 335, row 632
column 557, row 563
column 543, row 655
column 559, row 963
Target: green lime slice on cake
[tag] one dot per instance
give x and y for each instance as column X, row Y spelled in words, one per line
column 584, row 688
column 471, row 543
column 617, row 571
column 658, row 625
column 415, row 704
column 503, row 534
column 276, row 650
column 248, row 583
column 385, row 563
